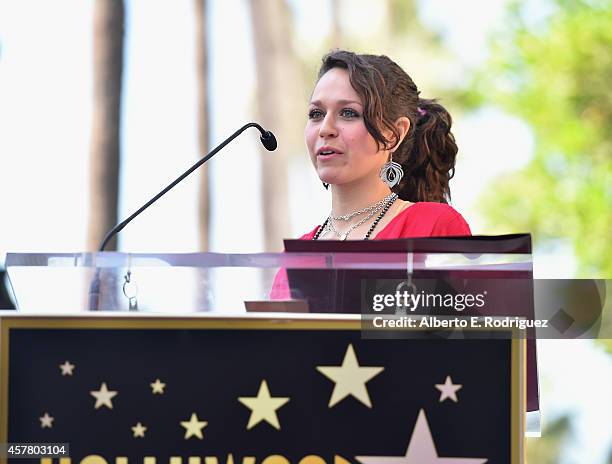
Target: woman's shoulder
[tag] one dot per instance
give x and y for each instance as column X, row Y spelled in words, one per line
column 426, row 219
column 434, row 209
column 444, row 219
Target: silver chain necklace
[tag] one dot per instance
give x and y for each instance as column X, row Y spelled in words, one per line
column 343, row 235
column 375, row 207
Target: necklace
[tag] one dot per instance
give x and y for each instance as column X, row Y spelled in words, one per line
column 328, row 225
column 377, row 220
column 375, row 207
column 345, row 234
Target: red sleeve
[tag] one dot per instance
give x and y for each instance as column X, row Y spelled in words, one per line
column 451, row 223
column 310, row 234
column 280, row 286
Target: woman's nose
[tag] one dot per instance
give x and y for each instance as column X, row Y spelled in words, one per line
column 328, row 127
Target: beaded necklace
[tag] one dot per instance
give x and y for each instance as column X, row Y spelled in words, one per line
column 372, row 227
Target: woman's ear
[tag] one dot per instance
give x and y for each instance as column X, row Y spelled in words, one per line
column 403, row 125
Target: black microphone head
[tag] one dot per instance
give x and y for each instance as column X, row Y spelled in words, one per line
column 269, row 141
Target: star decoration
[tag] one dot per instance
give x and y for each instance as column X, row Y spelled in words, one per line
column 46, row 421
column 421, row 450
column 158, row 387
column 139, row 430
column 263, row 407
column 448, row 389
column 350, row 378
column 67, row 368
column 103, row 396
column 193, row 427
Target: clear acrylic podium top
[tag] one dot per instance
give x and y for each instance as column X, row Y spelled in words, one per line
column 212, row 282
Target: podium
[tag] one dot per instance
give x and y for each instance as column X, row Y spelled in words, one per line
column 178, row 364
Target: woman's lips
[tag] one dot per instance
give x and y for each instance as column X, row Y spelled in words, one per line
column 329, row 157
column 324, row 154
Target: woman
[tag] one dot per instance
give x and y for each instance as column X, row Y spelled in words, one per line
column 386, row 154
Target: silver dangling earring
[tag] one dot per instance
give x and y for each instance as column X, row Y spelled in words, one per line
column 391, row 173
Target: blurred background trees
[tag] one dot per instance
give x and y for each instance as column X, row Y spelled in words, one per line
column 108, row 30
column 203, row 119
column 556, row 76
column 548, row 448
column 278, row 93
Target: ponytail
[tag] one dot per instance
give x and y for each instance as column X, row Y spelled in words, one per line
column 427, row 155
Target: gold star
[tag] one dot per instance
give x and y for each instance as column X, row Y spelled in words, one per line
column 46, row 421
column 349, row 378
column 103, row 397
column 66, row 368
column 193, row 427
column 263, row 406
column 158, row 387
column 448, row 389
column 421, row 449
column 139, row 430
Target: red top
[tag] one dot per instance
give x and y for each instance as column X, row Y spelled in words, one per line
column 423, row 219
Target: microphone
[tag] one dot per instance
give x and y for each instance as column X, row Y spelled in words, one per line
column 267, row 139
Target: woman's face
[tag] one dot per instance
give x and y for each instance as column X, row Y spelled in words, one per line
column 341, row 148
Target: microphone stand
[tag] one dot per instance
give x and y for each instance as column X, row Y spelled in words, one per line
column 267, row 139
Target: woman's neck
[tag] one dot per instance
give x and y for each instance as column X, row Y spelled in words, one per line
column 348, row 198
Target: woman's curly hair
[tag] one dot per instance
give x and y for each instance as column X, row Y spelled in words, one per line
column 427, row 153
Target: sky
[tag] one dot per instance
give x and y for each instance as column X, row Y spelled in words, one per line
column 45, row 108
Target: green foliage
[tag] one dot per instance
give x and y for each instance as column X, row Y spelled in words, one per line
column 547, row 450
column 556, row 76
column 403, row 19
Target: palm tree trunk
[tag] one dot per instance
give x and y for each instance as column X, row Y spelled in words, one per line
column 201, row 50
column 278, row 96
column 105, row 141
column 336, row 29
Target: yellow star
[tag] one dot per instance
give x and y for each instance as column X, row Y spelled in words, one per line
column 66, row 368
column 158, row 386
column 448, row 389
column 139, row 430
column 193, row 427
column 46, row 421
column 421, row 449
column 350, row 378
column 103, row 397
column 263, row 406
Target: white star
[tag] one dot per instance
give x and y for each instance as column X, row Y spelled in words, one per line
column 103, row 397
column 158, row 387
column 448, row 389
column 350, row 378
column 46, row 421
column 139, row 430
column 66, row 368
column 263, row 406
column 421, row 450
column 193, row 427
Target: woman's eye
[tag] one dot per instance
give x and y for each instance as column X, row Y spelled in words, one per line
column 349, row 113
column 315, row 114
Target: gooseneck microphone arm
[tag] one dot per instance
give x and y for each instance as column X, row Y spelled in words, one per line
column 267, row 139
